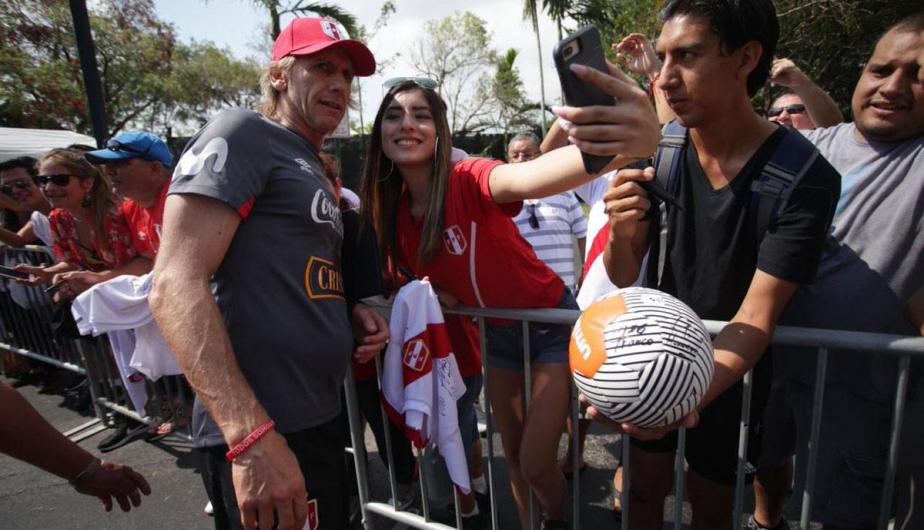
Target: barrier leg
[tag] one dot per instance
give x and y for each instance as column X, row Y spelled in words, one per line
column 815, row 432
column 898, row 416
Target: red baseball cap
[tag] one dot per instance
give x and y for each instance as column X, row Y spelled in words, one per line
column 304, row 36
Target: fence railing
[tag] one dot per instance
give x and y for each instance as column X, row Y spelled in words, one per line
column 888, row 345
column 27, row 321
column 25, row 329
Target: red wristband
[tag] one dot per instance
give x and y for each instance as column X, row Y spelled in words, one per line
column 249, row 440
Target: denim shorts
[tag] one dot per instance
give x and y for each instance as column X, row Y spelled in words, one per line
column 548, row 343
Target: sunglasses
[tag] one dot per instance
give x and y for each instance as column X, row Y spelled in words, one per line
column 797, row 108
column 533, row 220
column 58, row 180
column 424, row 82
column 7, row 189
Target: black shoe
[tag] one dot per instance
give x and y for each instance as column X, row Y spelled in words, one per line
column 549, row 524
column 123, row 435
column 79, row 383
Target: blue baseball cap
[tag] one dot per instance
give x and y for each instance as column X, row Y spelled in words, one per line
column 133, row 144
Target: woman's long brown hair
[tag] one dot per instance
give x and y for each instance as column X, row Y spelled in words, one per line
column 101, row 197
column 382, row 184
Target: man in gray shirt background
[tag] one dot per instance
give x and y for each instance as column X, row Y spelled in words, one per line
column 871, row 267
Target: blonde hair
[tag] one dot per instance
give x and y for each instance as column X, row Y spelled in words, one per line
column 269, row 96
column 101, row 199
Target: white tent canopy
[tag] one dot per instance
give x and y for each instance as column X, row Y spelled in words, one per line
column 36, row 142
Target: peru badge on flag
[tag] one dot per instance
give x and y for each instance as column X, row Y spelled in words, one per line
column 416, row 354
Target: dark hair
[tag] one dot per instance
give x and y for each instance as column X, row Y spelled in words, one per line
column 910, row 24
column 526, row 135
column 26, row 162
column 736, row 22
column 382, row 184
column 81, row 147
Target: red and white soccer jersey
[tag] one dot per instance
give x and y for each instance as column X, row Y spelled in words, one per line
column 420, row 379
column 145, row 223
column 484, row 261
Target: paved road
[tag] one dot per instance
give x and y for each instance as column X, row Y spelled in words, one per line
column 31, row 499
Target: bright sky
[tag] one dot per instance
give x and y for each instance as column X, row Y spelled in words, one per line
column 240, row 26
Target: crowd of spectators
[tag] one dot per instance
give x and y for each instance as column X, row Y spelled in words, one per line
column 258, row 268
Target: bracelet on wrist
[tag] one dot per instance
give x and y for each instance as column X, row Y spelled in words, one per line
column 87, row 472
column 248, row 441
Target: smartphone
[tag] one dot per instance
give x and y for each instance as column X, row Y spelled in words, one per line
column 14, row 274
column 582, row 47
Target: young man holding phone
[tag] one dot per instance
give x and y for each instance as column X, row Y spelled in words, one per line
column 716, row 55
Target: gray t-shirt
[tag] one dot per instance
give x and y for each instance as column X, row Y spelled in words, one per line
column 872, row 262
column 279, row 287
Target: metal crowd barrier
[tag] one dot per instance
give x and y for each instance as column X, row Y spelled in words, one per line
column 892, row 345
column 26, row 329
column 25, row 317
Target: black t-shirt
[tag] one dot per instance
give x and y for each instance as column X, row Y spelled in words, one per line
column 712, row 249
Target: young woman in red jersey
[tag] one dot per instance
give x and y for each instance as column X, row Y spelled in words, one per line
column 450, row 221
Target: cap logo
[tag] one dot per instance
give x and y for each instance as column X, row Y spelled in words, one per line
column 330, row 30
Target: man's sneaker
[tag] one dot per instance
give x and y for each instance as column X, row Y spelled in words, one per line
column 754, row 525
column 209, row 510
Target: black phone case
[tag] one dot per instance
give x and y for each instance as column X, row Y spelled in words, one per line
column 576, row 92
column 7, row 272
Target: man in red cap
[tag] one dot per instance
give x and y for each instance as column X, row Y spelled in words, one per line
column 250, row 210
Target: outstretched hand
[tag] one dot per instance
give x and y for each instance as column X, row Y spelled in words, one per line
column 785, row 73
column 115, row 481
column 38, row 275
column 640, row 433
column 636, row 53
column 628, row 128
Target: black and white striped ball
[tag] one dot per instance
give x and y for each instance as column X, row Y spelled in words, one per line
column 641, row 356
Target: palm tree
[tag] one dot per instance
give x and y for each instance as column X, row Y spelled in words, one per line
column 277, row 8
column 531, row 12
column 557, row 10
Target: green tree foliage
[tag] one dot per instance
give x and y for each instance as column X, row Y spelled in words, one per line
column 510, row 109
column 149, row 80
column 456, row 52
column 301, row 8
column 832, row 39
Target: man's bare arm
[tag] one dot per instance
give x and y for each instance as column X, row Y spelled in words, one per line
column 820, row 106
column 197, row 233
column 742, row 342
column 738, row 347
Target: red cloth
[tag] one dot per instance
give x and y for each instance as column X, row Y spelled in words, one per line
column 484, row 261
column 66, row 245
column 145, row 223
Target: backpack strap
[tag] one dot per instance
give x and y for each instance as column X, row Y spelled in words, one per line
column 772, row 188
column 667, row 165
